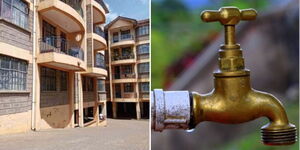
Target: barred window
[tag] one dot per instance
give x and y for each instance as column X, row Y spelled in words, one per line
column 143, row 49
column 101, row 85
column 115, row 37
column 100, row 60
column 48, row 79
column 87, row 84
column 144, row 87
column 143, row 30
column 143, row 68
column 63, row 81
column 15, row 11
column 13, row 73
column 125, row 34
column 127, row 69
column 128, row 87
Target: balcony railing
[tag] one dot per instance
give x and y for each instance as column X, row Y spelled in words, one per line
column 125, row 95
column 101, row 96
column 75, row 4
column 124, row 76
column 60, row 45
column 122, row 57
column 98, row 30
column 123, row 37
column 144, row 94
column 99, row 61
column 17, row 16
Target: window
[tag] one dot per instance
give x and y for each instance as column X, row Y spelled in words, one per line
column 87, row 84
column 49, row 35
column 127, row 53
column 13, row 73
column 128, row 87
column 125, row 34
column 143, row 68
column 127, row 69
column 16, row 11
column 48, row 79
column 115, row 37
column 63, row 81
column 143, row 30
column 101, row 85
column 100, row 60
column 143, row 49
column 144, row 87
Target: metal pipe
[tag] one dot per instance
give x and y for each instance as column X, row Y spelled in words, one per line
column 33, row 109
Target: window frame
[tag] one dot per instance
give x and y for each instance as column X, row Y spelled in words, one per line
column 143, row 65
column 128, row 88
column 13, row 74
column 11, row 10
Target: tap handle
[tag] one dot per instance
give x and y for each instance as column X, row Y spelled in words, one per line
column 228, row 15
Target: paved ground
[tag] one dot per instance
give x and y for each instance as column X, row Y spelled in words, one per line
column 118, row 135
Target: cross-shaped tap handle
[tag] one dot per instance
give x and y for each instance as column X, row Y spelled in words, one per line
column 229, row 17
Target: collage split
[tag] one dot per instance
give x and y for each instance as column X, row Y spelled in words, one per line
column 149, row 74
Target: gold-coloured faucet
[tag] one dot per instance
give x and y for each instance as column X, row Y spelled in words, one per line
column 232, row 101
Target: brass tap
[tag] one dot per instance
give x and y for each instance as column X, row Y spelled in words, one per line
column 232, row 101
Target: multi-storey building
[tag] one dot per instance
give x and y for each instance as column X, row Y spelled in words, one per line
column 128, row 61
column 52, row 67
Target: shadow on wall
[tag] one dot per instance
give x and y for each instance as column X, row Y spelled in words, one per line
column 55, row 110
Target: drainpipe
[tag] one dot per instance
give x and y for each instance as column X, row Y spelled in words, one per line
column 33, row 111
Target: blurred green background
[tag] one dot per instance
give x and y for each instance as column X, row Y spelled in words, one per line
column 177, row 31
column 178, row 36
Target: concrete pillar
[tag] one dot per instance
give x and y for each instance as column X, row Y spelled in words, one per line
column 138, row 111
column 71, row 96
column 80, row 100
column 114, row 109
column 37, row 108
column 96, row 107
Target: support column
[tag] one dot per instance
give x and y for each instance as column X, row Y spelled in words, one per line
column 80, row 100
column 96, row 107
column 114, row 108
column 71, row 93
column 37, row 109
column 138, row 111
column 142, row 109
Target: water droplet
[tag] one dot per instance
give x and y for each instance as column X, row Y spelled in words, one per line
column 189, row 131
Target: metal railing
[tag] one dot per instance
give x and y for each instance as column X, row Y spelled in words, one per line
column 98, row 30
column 123, row 37
column 61, row 45
column 122, row 57
column 124, row 76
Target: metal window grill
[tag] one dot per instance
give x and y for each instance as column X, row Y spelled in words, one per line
column 13, row 73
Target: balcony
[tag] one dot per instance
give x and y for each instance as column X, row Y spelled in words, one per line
column 123, row 59
column 144, row 96
column 123, row 40
column 99, row 68
column 124, row 78
column 68, row 14
column 61, row 53
column 125, row 97
column 99, row 11
column 99, row 39
column 143, row 77
column 101, row 96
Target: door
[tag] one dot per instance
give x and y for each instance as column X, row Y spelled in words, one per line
column 118, row 91
column 117, row 72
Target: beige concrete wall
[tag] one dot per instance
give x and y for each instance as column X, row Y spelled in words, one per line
column 15, row 123
column 55, row 117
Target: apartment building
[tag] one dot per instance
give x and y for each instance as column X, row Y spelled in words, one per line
column 128, row 62
column 52, row 69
